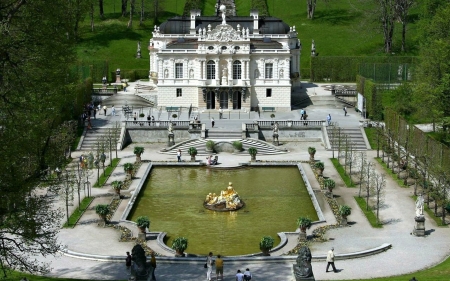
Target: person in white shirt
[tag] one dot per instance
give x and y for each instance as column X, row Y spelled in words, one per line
column 247, row 275
column 330, row 260
column 209, row 265
column 239, row 276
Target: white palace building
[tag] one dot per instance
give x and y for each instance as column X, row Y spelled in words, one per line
column 225, row 61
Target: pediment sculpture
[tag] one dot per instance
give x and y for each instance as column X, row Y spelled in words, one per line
column 223, row 33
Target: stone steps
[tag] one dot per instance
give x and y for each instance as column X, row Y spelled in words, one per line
column 354, row 135
column 93, row 136
column 263, row 147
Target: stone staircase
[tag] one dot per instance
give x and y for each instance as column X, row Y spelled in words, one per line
column 223, row 134
column 263, row 147
column 132, row 100
column 92, row 136
column 319, row 101
column 355, row 136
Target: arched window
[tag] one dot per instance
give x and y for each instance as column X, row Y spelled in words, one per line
column 211, row 70
column 237, row 70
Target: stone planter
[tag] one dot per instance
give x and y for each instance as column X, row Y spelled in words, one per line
column 253, row 158
column 319, row 172
column 265, row 252
column 180, row 253
column 128, row 176
column 311, row 156
column 302, row 235
column 192, row 158
column 138, row 158
column 344, row 221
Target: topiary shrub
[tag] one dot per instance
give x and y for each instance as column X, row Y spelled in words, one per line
column 266, row 244
column 237, row 145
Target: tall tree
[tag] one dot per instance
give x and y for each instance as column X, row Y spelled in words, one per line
column 402, row 8
column 387, row 14
column 124, row 8
column 35, row 90
column 132, row 6
column 100, row 8
column 310, row 8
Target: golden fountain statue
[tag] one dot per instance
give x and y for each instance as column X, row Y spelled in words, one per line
column 228, row 200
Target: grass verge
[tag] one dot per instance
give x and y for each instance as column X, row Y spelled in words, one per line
column 108, row 171
column 390, row 173
column 346, row 178
column 76, row 215
column 368, row 213
column 430, row 212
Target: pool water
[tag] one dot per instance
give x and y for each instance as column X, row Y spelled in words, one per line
column 173, row 200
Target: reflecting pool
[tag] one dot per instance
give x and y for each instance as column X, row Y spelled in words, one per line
column 173, row 200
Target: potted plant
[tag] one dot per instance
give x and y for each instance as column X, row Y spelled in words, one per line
column 141, row 115
column 192, row 151
column 102, row 210
column 329, row 184
column 252, row 151
column 303, row 223
column 266, row 244
column 237, row 145
column 179, row 245
column 142, row 223
column 344, row 211
column 128, row 167
column 117, row 186
column 320, row 166
column 272, row 115
column 311, row 151
column 210, row 146
column 138, row 150
column 174, row 116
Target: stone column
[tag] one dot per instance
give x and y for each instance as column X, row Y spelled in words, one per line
column 216, row 64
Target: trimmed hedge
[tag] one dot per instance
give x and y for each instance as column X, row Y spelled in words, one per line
column 374, row 105
column 345, row 69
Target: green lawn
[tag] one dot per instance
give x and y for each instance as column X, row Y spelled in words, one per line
column 108, row 171
column 347, row 180
column 73, row 219
column 370, row 215
column 337, row 29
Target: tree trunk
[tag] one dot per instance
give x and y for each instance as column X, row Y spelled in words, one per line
column 124, row 8
column 91, row 14
column 310, row 8
column 130, row 21
column 100, row 7
column 141, row 20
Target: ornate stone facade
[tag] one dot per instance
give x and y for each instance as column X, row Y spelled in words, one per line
column 241, row 64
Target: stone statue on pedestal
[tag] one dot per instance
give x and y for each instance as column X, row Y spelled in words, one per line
column 419, row 227
column 223, row 9
column 303, row 269
column 139, row 270
column 419, row 206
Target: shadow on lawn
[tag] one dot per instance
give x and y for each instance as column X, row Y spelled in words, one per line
column 336, row 16
column 107, row 32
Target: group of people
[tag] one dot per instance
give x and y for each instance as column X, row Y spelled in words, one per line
column 211, row 161
column 128, row 263
column 210, row 262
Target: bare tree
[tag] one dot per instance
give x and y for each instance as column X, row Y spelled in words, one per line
column 310, row 8
column 78, row 181
column 91, row 14
column 142, row 13
column 66, row 190
column 124, row 8
column 362, row 170
column 402, row 9
column 369, row 185
column 387, row 13
column 132, row 6
column 379, row 185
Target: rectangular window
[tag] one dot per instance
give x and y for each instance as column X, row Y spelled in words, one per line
column 269, row 70
column 179, row 92
column 237, row 70
column 178, row 70
column 268, row 93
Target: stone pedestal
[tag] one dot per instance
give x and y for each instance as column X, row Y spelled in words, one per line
column 224, row 81
column 118, row 79
column 419, row 227
column 142, row 236
column 275, row 140
column 171, row 141
column 302, row 236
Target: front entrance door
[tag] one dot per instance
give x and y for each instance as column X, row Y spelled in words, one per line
column 237, row 98
column 210, row 100
column 224, row 99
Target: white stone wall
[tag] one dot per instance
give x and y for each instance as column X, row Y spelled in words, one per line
column 167, row 96
column 281, row 97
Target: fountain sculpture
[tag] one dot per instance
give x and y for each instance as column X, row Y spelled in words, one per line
column 228, row 200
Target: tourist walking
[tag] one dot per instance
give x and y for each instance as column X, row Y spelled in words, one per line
column 239, row 276
column 219, row 267
column 113, row 111
column 95, row 112
column 212, row 122
column 329, row 119
column 209, row 265
column 179, row 155
column 302, row 114
column 247, row 274
column 220, row 113
column 153, row 263
column 135, row 118
column 104, row 109
column 330, row 260
column 345, row 111
column 128, row 263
